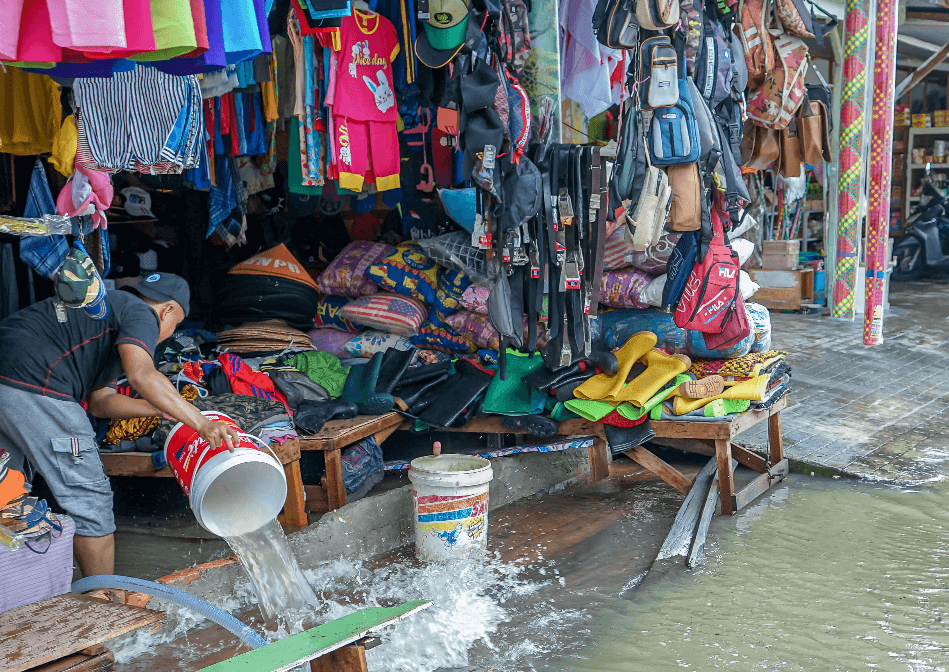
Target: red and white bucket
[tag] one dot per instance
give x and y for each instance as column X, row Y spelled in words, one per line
column 230, row 493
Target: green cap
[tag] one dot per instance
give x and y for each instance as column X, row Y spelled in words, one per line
column 447, row 25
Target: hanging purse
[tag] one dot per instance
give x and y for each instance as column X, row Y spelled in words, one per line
column 658, row 70
column 645, row 221
column 685, row 211
column 760, row 147
column 790, row 163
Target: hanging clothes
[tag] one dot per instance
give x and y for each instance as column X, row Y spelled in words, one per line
column 173, row 26
column 77, row 26
column 32, row 112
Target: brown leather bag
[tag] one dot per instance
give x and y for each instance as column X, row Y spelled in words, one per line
column 685, row 213
column 814, row 132
column 790, row 164
column 760, row 147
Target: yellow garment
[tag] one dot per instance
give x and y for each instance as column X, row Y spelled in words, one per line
column 64, row 147
column 752, row 389
column 30, row 112
column 130, row 429
column 603, row 386
column 270, row 100
column 660, row 370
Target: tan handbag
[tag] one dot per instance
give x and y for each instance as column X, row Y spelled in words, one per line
column 814, row 132
column 790, row 163
column 685, row 214
column 760, row 147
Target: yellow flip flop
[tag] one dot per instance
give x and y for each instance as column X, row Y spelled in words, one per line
column 752, row 389
column 602, row 386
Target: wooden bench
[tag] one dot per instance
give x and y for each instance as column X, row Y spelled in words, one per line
column 331, row 439
column 294, row 509
column 704, row 437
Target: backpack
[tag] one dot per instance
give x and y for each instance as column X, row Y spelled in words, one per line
column 679, row 268
column 615, row 25
column 659, row 72
column 709, row 297
column 775, row 102
column 515, row 38
column 794, row 17
column 673, row 132
column 756, row 40
column 713, row 67
column 645, row 221
column 657, row 14
column 692, row 18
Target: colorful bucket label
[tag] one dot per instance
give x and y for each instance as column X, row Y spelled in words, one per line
column 455, row 520
column 185, row 451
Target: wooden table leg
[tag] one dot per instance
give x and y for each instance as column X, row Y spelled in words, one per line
column 335, row 491
column 599, row 459
column 775, row 439
column 726, row 478
column 350, row 658
column 294, row 510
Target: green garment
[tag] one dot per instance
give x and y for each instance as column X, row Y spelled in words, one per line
column 323, row 369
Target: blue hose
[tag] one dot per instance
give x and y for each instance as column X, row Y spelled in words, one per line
column 244, row 632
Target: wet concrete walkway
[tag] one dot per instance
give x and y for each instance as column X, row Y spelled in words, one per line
column 880, row 412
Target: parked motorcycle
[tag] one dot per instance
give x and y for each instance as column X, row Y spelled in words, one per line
column 925, row 246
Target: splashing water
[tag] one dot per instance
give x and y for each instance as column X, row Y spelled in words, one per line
column 276, row 577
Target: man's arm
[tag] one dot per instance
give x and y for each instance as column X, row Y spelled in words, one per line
column 108, row 403
column 161, row 394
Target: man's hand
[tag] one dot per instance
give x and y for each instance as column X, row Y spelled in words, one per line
column 216, row 433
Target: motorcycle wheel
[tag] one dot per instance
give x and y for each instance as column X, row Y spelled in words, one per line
column 910, row 262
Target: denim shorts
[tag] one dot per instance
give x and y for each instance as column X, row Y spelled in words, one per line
column 55, row 438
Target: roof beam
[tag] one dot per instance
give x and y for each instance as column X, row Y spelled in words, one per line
column 907, row 84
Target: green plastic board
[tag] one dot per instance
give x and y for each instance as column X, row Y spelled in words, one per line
column 296, row 649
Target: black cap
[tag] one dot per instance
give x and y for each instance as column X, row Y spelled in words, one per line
column 166, row 287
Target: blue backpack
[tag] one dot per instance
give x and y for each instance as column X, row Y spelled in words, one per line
column 673, row 131
column 678, row 269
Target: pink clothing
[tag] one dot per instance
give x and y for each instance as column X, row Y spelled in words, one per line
column 36, row 35
column 368, row 44
column 139, row 34
column 11, row 12
column 87, row 24
column 367, row 148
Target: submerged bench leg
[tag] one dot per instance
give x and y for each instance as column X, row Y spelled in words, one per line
column 599, row 459
column 350, row 658
column 335, row 491
column 775, row 438
column 726, row 478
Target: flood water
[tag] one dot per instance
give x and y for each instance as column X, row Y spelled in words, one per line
column 819, row 575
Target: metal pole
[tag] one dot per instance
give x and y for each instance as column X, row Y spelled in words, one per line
column 881, row 162
column 853, row 97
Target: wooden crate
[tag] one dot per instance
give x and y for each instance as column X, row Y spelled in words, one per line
column 783, row 290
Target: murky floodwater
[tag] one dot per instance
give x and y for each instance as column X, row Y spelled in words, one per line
column 820, row 575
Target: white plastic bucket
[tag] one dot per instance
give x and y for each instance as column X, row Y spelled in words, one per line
column 231, row 493
column 450, row 497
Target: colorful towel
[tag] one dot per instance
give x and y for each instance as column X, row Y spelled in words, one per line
column 746, row 366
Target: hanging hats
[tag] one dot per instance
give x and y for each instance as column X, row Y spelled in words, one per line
column 445, row 33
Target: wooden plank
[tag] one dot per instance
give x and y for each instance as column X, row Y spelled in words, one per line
column 759, row 486
column 60, row 626
column 660, row 468
column 726, row 478
column 85, row 661
column 341, row 433
column 686, row 429
column 599, row 459
column 748, row 458
column 700, row 446
column 333, row 481
column 316, row 499
column 288, row 452
column 290, row 652
column 750, row 418
column 919, row 75
column 132, row 464
column 697, row 554
column 775, row 436
column 294, row 509
column 350, row 658
column 680, row 536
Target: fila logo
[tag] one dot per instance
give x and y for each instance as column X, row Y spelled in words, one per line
column 726, row 272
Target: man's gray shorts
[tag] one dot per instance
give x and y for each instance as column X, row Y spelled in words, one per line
column 56, row 437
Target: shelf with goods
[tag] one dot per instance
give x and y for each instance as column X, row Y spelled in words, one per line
column 926, row 157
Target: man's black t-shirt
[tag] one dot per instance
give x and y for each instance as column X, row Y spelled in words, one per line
column 68, row 360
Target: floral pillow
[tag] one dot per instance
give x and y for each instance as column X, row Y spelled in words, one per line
column 451, row 285
column 475, row 299
column 407, row 271
column 478, row 329
column 369, row 343
column 387, row 312
column 331, row 340
column 328, row 314
column 346, row 274
column 624, row 289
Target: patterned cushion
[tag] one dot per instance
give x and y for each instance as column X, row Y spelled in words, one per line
column 619, row 253
column 475, row 299
column 346, row 274
column 451, row 285
column 369, row 343
column 328, row 315
column 328, row 339
column 444, row 339
column 407, row 271
column 624, row 289
column 387, row 312
column 478, row 329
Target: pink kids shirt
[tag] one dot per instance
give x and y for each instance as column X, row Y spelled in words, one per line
column 368, row 44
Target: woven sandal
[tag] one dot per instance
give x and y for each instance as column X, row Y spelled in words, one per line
column 703, row 388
